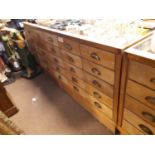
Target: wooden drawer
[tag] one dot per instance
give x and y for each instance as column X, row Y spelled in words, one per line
column 98, row 71
column 81, row 99
column 101, row 107
column 79, row 90
column 99, row 84
column 141, row 110
column 99, row 96
column 101, row 117
column 63, row 79
column 142, row 74
column 56, row 67
column 71, row 58
column 53, row 50
column 42, row 52
column 30, row 33
column 56, row 60
column 77, row 81
column 31, row 46
column 138, row 122
column 98, row 56
column 131, row 129
column 50, row 38
column 69, row 45
column 141, row 93
column 74, row 70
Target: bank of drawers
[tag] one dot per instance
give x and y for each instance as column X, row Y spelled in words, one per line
column 86, row 73
column 140, row 99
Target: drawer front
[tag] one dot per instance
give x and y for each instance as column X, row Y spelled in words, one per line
column 57, row 60
column 31, row 33
column 74, row 70
column 81, row 99
column 56, row 75
column 80, row 91
column 71, row 58
column 141, row 110
column 141, row 93
column 56, row 67
column 142, row 74
column 106, row 121
column 42, row 52
column 99, row 84
column 138, row 123
column 77, row 81
column 98, row 56
column 50, row 38
column 32, row 46
column 98, row 71
column 131, row 129
column 63, row 79
column 53, row 50
column 98, row 106
column 99, row 96
column 70, row 46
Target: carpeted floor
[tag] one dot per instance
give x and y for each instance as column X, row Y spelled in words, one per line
column 44, row 108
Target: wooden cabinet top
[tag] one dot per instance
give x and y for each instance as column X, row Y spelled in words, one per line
column 98, row 43
column 142, row 51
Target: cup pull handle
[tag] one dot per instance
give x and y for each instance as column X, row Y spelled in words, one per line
column 59, row 77
column 70, row 59
column 98, row 105
column 96, row 83
column 55, row 60
column 152, row 80
column 75, row 88
column 145, row 129
column 68, row 46
column 53, row 50
column 74, row 80
column 58, row 69
column 95, row 56
column 150, row 99
column 96, row 71
column 96, row 94
column 149, row 116
column 72, row 69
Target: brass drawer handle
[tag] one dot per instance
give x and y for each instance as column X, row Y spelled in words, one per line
column 74, row 80
column 150, row 99
column 152, row 80
column 56, row 60
column 95, row 56
column 98, row 105
column 50, row 39
column 53, row 50
column 96, row 71
column 58, row 69
column 96, row 94
column 149, row 116
column 145, row 129
column 72, row 70
column 70, row 59
column 59, row 77
column 68, row 46
column 75, row 88
column 96, row 83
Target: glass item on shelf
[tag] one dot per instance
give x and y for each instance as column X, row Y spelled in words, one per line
column 153, row 43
